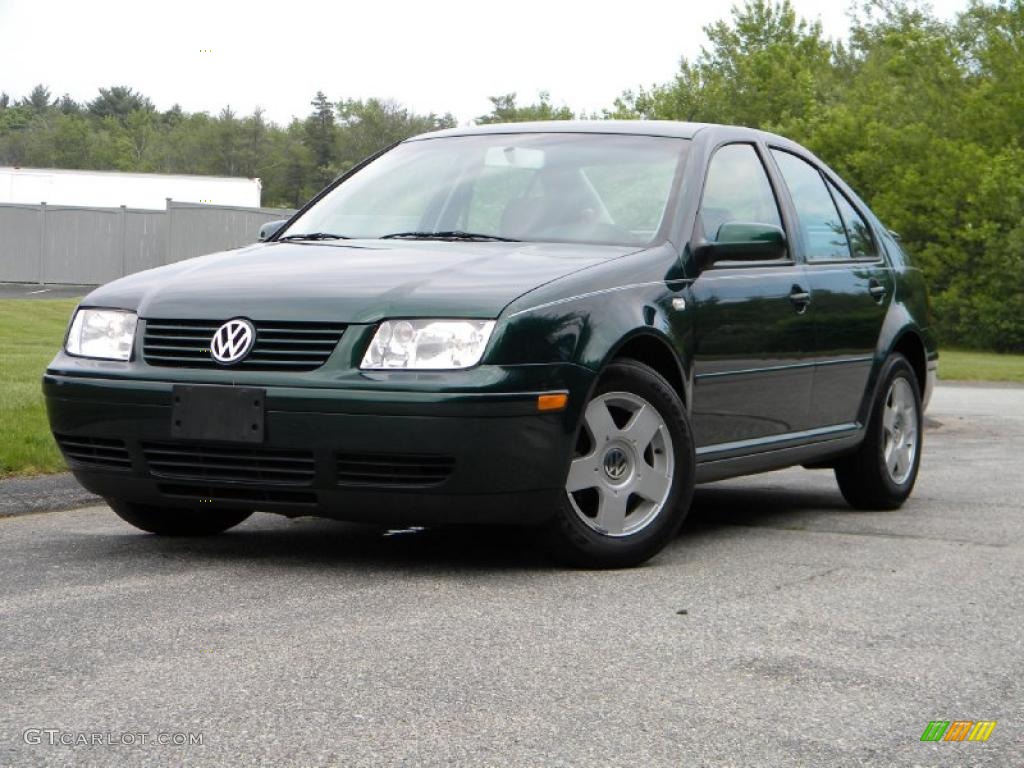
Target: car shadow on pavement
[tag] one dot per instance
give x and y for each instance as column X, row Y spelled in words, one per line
column 318, row 543
column 719, row 506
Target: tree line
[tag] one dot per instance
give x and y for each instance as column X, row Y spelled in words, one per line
column 923, row 116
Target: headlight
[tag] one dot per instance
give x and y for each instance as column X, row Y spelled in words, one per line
column 428, row 344
column 102, row 333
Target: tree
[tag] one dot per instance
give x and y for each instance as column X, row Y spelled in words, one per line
column 372, row 125
column 118, row 101
column 764, row 68
column 68, row 106
column 39, row 100
column 504, row 109
column 322, row 138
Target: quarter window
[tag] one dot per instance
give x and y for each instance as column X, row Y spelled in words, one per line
column 862, row 246
column 737, row 189
column 820, row 222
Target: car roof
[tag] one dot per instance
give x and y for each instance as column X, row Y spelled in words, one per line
column 631, row 127
column 667, row 128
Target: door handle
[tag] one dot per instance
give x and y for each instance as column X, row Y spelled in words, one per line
column 800, row 299
column 877, row 290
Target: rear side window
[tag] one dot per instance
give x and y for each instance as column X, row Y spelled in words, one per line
column 822, row 227
column 862, row 245
column 737, row 189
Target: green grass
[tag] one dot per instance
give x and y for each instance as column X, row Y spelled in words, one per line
column 961, row 365
column 31, row 332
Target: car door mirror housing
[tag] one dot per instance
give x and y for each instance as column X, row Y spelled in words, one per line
column 269, row 229
column 743, row 241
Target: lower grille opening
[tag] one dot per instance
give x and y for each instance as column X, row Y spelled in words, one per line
column 231, row 464
column 95, row 452
column 243, row 494
column 409, row 470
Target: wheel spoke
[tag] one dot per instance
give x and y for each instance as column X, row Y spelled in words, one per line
column 900, row 460
column 652, row 485
column 643, row 426
column 910, row 433
column 888, row 449
column 905, row 456
column 583, row 473
column 611, row 511
column 893, row 463
column 889, row 418
column 599, row 422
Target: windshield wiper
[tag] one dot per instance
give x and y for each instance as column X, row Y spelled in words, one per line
column 314, row 236
column 449, row 234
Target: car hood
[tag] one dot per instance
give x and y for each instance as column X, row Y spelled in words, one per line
column 351, row 282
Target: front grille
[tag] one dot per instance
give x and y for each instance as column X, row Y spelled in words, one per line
column 279, row 346
column 237, row 493
column 411, row 470
column 243, row 465
column 99, row 452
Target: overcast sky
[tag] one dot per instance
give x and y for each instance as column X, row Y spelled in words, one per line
column 432, row 55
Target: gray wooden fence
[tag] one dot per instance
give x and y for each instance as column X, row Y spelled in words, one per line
column 88, row 246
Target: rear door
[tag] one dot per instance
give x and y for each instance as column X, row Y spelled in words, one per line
column 754, row 337
column 851, row 283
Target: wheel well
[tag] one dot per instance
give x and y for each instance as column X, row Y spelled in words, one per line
column 658, row 355
column 911, row 347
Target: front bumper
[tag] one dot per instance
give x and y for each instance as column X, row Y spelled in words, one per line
column 500, row 460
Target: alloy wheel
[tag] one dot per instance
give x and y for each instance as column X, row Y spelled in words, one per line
column 621, row 474
column 899, row 431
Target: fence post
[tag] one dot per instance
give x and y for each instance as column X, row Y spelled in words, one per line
column 170, row 231
column 123, row 218
column 42, row 241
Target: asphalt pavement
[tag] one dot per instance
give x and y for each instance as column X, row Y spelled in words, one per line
column 781, row 628
column 42, row 291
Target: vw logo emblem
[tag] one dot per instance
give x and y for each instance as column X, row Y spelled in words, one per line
column 232, row 341
column 616, row 464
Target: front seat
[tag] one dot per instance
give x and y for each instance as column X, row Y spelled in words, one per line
column 522, row 217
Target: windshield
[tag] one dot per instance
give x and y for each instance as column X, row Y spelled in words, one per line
column 541, row 187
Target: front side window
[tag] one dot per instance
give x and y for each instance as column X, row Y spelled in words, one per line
column 820, row 223
column 737, row 190
column 554, row 187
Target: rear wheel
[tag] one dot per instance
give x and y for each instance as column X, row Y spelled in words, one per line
column 631, row 479
column 882, row 473
column 170, row 521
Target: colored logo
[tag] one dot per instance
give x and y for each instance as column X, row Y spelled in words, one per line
column 958, row 730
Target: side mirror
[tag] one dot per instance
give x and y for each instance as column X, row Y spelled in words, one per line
column 270, row 228
column 742, row 241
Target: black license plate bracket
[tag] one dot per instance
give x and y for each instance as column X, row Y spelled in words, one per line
column 225, row 414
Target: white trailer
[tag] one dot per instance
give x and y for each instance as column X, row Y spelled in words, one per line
column 110, row 189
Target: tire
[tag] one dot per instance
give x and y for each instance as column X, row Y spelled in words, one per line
column 882, row 473
column 171, row 521
column 631, row 475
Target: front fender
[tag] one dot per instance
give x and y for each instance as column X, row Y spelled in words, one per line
column 591, row 329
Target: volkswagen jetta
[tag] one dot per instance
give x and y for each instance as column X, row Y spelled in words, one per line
column 566, row 325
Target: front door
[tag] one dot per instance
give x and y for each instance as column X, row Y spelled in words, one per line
column 754, row 337
column 852, row 287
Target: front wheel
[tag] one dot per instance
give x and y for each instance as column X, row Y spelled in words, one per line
column 170, row 521
column 631, row 478
column 881, row 474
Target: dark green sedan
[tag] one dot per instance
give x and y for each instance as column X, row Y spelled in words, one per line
column 564, row 325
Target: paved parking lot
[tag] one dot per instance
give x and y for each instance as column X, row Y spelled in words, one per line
column 781, row 628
